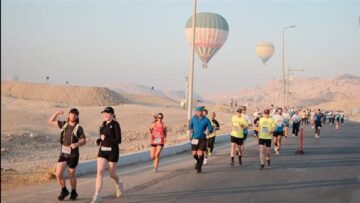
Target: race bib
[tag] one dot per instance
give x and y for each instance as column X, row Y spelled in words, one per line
column 194, row 141
column 106, row 149
column 157, row 140
column 65, row 149
column 265, row 130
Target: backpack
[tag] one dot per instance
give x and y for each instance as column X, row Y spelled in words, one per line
column 74, row 133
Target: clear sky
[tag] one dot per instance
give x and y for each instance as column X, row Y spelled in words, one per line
column 101, row 42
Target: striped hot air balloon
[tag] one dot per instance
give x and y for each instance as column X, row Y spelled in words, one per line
column 265, row 50
column 210, row 34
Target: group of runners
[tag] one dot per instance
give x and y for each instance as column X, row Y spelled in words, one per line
column 270, row 125
column 72, row 137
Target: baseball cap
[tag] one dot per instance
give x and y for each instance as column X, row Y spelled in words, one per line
column 74, row 111
column 199, row 108
column 108, row 109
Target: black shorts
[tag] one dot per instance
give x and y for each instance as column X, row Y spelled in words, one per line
column 265, row 142
column 155, row 145
column 201, row 146
column 238, row 141
column 318, row 126
column 111, row 156
column 277, row 133
column 71, row 162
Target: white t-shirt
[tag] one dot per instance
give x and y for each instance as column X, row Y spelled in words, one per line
column 279, row 122
column 296, row 118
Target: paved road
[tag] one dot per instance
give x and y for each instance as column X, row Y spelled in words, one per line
column 329, row 171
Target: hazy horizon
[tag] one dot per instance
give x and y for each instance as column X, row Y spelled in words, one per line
column 98, row 43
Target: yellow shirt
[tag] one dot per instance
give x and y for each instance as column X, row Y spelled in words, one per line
column 214, row 131
column 237, row 130
column 266, row 126
column 302, row 114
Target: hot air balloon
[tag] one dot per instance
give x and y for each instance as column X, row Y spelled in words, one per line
column 264, row 50
column 210, row 34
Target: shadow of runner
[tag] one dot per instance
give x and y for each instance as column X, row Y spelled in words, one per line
column 160, row 197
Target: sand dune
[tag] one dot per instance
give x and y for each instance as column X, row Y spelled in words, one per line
column 74, row 95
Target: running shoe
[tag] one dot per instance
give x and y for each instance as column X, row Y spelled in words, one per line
column 240, row 161
column 268, row 162
column 208, row 151
column 293, row 135
column 232, row 163
column 96, row 199
column 277, row 153
column 120, row 188
column 262, row 167
column 73, row 195
column 275, row 149
column 64, row 193
column 205, row 161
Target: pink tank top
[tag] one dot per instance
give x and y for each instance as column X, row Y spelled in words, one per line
column 158, row 134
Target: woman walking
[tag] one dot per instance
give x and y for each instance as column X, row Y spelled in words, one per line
column 110, row 138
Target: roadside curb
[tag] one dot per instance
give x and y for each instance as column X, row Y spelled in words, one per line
column 89, row 166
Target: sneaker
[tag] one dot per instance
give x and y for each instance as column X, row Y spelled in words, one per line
column 293, row 135
column 73, row 195
column 240, row 161
column 198, row 170
column 268, row 162
column 231, row 163
column 96, row 199
column 209, row 153
column 277, row 153
column 275, row 149
column 262, row 167
column 64, row 193
column 120, row 188
column 205, row 161
column 315, row 135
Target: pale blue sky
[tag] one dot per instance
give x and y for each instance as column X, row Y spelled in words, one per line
column 101, row 42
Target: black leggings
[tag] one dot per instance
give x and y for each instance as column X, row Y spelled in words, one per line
column 295, row 128
column 210, row 143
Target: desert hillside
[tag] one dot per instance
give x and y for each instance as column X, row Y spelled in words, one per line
column 62, row 94
column 341, row 93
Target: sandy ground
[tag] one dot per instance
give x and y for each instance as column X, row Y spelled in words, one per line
column 30, row 147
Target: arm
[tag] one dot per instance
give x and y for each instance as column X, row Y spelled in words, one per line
column 53, row 121
column 117, row 131
column 210, row 127
column 217, row 125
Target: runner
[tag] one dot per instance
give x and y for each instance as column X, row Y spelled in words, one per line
column 266, row 129
column 71, row 138
column 317, row 122
column 279, row 130
column 303, row 117
column 256, row 124
column 287, row 117
column 211, row 137
column 245, row 130
column 237, row 135
column 157, row 139
column 110, row 138
column 296, row 120
column 197, row 127
column 337, row 119
column 342, row 117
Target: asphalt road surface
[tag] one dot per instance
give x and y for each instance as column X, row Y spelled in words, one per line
column 328, row 171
